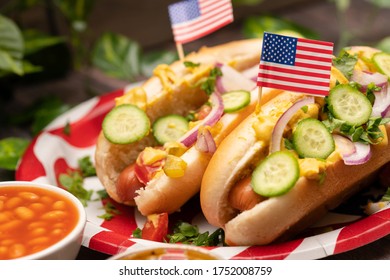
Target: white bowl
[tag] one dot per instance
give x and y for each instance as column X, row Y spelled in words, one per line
column 68, row 247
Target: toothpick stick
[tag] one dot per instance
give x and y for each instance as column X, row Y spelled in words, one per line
column 180, row 51
column 260, row 94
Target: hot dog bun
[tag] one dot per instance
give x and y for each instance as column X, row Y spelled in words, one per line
column 174, row 98
column 276, row 218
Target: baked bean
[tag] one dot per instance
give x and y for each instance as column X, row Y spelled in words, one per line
column 17, row 250
column 57, row 232
column 59, row 205
column 24, row 213
column 54, row 215
column 3, row 251
column 38, row 231
column 3, row 197
column 29, row 196
column 11, row 226
column 13, row 202
column 7, row 242
column 38, row 207
column 39, row 241
column 4, row 217
column 47, row 200
column 59, row 225
column 38, row 224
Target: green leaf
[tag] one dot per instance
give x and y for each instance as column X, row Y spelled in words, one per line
column 186, row 233
column 137, row 233
column 380, row 3
column 29, row 68
column 342, row 5
column 35, row 40
column 86, row 167
column 11, row 40
column 384, row 44
column 117, row 56
column 150, row 60
column 46, row 112
column 345, row 63
column 73, row 182
column 255, row 26
column 9, row 64
column 75, row 10
column 11, row 149
column 190, row 64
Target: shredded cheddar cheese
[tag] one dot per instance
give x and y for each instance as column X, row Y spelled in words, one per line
column 135, row 96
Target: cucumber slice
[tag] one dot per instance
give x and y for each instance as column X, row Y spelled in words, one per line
column 276, row 174
column 312, row 139
column 235, row 100
column 349, row 104
column 169, row 128
column 382, row 62
column 125, row 124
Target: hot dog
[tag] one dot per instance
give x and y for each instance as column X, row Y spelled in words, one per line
column 322, row 158
column 160, row 177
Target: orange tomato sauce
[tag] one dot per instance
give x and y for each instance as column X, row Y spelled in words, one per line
column 33, row 219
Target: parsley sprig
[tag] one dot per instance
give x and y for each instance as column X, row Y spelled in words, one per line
column 73, row 180
column 186, row 233
column 110, row 211
column 208, row 83
column 345, row 62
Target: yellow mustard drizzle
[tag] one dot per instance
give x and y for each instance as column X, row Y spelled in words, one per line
column 135, row 96
column 167, row 77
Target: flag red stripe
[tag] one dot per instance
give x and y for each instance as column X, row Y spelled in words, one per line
column 313, row 49
column 202, row 21
column 310, row 41
column 313, row 66
column 204, row 5
column 292, row 88
column 292, row 71
column 200, row 35
column 315, row 58
column 266, row 76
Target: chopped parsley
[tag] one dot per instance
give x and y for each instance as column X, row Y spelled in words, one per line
column 345, row 63
column 86, row 167
column 73, row 181
column 208, row 83
column 66, row 130
column 186, row 233
column 190, row 64
column 111, row 211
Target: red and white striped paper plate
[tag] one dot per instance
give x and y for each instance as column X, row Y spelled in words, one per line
column 52, row 152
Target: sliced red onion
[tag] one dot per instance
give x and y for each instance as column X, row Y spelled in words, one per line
column 365, row 78
column 189, row 138
column 382, row 97
column 345, row 146
column 232, row 80
column 381, row 105
column 205, row 142
column 353, row 153
column 360, row 156
column 251, row 73
column 277, row 133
